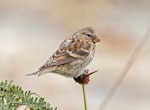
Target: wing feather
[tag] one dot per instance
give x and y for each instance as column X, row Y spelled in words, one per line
column 68, row 53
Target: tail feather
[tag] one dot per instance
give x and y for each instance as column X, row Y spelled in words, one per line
column 43, row 72
column 35, row 73
column 38, row 73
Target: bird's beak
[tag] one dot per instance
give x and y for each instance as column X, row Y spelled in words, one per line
column 95, row 39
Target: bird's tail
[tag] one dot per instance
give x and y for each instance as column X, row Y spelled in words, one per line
column 35, row 73
column 38, row 73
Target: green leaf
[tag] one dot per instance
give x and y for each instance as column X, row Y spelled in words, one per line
column 12, row 97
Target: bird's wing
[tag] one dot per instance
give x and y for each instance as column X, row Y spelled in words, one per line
column 68, row 53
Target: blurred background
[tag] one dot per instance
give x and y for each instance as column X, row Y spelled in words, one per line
column 31, row 30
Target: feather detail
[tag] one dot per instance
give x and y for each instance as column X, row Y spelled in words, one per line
column 35, row 73
column 41, row 72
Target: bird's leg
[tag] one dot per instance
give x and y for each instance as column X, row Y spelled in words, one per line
column 84, row 78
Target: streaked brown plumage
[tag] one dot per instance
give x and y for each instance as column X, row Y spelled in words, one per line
column 73, row 55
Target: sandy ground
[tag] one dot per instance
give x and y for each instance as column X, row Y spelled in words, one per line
column 30, row 31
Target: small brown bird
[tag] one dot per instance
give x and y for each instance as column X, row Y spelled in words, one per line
column 73, row 55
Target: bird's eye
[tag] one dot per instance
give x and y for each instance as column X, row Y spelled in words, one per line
column 89, row 35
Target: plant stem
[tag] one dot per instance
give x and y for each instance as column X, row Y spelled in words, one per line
column 84, row 96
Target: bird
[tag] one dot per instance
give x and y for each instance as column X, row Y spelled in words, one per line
column 73, row 55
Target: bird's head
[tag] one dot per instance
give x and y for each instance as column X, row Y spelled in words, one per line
column 88, row 33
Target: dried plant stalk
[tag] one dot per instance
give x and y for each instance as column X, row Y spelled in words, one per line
column 125, row 70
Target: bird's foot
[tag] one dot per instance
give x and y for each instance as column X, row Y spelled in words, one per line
column 84, row 78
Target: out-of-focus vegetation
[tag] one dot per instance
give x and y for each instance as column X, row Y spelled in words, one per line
column 12, row 97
